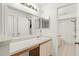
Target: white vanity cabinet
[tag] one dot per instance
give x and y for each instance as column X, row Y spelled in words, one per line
column 46, row 49
column 43, row 49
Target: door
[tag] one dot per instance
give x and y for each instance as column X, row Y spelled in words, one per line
column 67, row 30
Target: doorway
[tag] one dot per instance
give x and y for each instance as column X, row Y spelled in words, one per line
column 67, row 32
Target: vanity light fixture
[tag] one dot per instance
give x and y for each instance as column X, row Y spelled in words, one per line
column 30, row 6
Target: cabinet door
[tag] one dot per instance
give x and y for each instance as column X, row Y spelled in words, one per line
column 49, row 48
column 23, row 26
column 43, row 49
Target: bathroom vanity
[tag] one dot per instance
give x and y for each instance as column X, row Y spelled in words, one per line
column 32, row 47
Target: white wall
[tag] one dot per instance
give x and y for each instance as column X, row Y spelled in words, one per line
column 46, row 11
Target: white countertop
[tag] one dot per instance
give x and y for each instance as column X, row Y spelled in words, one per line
column 4, row 40
column 18, row 43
